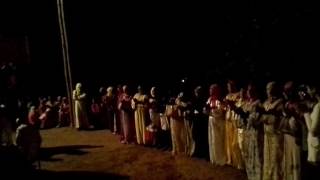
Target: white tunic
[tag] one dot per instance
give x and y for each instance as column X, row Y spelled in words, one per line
column 313, row 125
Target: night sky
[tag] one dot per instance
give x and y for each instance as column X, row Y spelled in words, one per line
column 238, row 39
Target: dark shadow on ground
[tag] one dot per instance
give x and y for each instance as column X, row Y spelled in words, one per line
column 13, row 162
column 47, row 152
column 77, row 174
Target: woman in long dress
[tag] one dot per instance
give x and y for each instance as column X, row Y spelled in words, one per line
column 175, row 113
column 185, row 106
column 110, row 106
column 126, row 116
column 272, row 152
column 234, row 157
column 139, row 105
column 240, row 122
column 154, row 108
column 154, row 128
column 216, row 127
column 291, row 130
column 312, row 121
column 253, row 136
column 81, row 119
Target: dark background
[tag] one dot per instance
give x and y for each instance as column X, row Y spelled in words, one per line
column 162, row 43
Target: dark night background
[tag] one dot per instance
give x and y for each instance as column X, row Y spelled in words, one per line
column 109, row 42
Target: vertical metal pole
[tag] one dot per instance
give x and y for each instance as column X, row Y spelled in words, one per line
column 64, row 44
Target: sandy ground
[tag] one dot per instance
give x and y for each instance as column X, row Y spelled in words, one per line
column 70, row 153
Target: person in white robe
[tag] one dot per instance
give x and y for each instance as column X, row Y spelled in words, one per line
column 80, row 112
column 216, row 127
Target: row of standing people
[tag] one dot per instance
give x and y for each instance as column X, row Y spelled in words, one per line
column 137, row 119
column 267, row 139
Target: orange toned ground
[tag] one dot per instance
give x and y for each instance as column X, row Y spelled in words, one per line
column 70, row 153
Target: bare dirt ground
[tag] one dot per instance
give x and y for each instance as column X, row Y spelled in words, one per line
column 70, row 153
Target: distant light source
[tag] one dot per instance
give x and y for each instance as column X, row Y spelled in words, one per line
column 184, row 80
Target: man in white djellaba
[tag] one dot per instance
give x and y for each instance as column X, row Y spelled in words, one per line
column 81, row 118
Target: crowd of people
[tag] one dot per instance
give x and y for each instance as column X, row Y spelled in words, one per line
column 276, row 137
column 20, row 141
